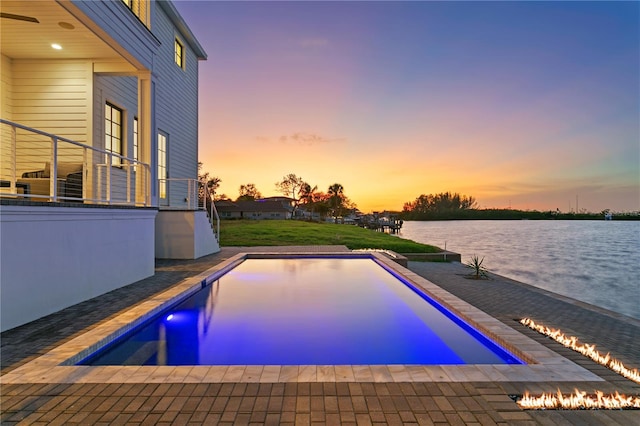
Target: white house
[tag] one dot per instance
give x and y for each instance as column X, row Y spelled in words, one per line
column 98, row 152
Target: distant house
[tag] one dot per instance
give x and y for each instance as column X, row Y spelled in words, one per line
column 254, row 210
column 99, row 143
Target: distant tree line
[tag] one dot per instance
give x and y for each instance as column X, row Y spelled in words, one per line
column 442, row 206
column 434, row 206
column 333, row 203
column 453, row 206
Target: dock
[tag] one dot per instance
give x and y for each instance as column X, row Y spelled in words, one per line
column 380, row 222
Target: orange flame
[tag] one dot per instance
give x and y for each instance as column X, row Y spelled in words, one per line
column 585, row 349
column 578, row 400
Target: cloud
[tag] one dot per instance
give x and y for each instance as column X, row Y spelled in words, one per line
column 313, row 42
column 307, row 139
column 300, row 139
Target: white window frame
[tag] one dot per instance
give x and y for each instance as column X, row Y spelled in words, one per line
column 163, row 174
column 179, row 53
column 113, row 125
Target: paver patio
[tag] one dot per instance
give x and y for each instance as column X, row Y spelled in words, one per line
column 417, row 402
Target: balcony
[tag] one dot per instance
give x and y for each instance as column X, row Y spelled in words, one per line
column 39, row 166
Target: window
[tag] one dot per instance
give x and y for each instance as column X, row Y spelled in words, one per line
column 179, row 56
column 139, row 8
column 162, row 165
column 113, row 132
column 135, row 140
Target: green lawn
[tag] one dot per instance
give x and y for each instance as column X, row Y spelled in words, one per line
column 295, row 233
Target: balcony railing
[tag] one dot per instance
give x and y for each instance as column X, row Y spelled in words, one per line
column 188, row 194
column 41, row 166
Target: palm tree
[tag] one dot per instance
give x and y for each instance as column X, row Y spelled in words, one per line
column 308, row 196
column 336, row 198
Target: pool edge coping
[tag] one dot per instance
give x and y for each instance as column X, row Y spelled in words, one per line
column 57, row 365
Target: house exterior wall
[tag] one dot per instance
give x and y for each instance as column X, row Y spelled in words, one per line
column 53, row 258
column 118, row 23
column 6, row 87
column 54, row 96
column 122, row 92
column 6, row 110
column 184, row 235
column 176, row 100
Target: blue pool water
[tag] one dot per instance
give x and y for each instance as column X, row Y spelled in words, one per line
column 304, row 311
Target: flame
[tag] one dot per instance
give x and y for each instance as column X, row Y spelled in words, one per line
column 578, row 400
column 585, row 349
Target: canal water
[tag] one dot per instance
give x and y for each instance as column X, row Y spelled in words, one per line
column 597, row 262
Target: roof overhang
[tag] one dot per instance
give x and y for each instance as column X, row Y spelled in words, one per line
column 29, row 29
column 182, row 26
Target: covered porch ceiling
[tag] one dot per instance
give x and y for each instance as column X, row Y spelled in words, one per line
column 28, row 29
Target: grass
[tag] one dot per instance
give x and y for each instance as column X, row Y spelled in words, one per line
column 247, row 233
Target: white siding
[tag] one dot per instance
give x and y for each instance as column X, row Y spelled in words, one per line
column 121, row 92
column 6, row 110
column 54, row 96
column 122, row 26
column 6, row 77
column 176, row 99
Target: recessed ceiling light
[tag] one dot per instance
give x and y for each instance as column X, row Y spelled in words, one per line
column 66, row 25
column 56, row 46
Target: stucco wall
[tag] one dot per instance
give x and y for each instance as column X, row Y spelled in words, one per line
column 184, row 235
column 53, row 258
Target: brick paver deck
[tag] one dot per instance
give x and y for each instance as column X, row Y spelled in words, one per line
column 481, row 403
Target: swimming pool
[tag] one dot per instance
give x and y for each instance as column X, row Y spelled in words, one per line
column 304, row 311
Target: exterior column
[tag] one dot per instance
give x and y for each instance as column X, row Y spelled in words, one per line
column 145, row 141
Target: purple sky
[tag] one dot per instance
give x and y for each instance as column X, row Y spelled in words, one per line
column 522, row 104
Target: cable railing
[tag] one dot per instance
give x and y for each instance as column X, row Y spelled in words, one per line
column 209, row 205
column 40, row 166
column 188, row 194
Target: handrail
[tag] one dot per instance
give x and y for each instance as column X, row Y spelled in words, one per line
column 130, row 178
column 60, row 138
column 188, row 194
column 178, row 194
column 213, row 212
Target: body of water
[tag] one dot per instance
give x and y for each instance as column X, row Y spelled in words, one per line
column 597, row 262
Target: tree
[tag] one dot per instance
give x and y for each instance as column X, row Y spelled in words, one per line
column 336, row 200
column 291, row 186
column 309, row 197
column 207, row 185
column 248, row 192
column 442, row 204
column 321, row 204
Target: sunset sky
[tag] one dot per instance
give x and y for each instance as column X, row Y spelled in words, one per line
column 529, row 105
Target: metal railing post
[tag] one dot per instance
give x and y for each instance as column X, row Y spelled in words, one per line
column 128, row 183
column 13, row 159
column 53, row 183
column 93, row 177
column 147, row 179
column 85, row 173
column 108, row 166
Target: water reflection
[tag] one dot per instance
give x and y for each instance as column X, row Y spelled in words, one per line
column 304, row 312
column 584, row 260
